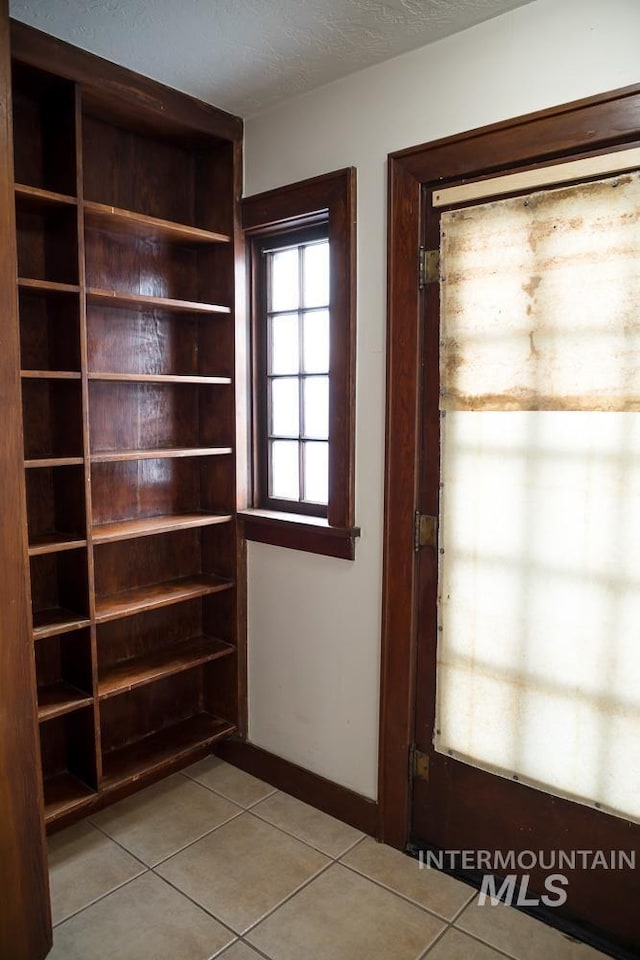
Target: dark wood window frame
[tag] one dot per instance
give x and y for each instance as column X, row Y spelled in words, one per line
column 584, row 127
column 329, row 199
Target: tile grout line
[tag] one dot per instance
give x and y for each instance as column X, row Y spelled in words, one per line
column 273, row 790
column 102, row 896
column 449, row 926
column 435, row 941
column 295, row 836
column 402, row 896
column 263, row 916
column 195, row 903
column 257, row 950
column 485, row 943
column 120, row 845
column 289, row 897
column 203, row 836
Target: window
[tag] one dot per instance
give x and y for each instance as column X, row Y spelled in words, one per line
column 294, row 332
column 301, row 242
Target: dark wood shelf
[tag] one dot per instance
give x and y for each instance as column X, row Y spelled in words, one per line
column 159, row 454
column 63, row 793
column 47, row 286
column 50, row 374
column 139, row 671
column 147, row 526
column 49, row 623
column 118, row 298
column 157, row 378
column 53, row 462
column 54, row 543
column 141, row 599
column 35, row 198
column 102, row 216
column 163, row 748
column 60, row 698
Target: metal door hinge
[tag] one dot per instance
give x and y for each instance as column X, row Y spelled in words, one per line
column 418, row 764
column 428, row 267
column 425, row 531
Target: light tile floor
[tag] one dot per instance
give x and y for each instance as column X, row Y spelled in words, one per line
column 214, row 863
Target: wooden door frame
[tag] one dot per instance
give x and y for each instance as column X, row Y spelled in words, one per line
column 581, row 127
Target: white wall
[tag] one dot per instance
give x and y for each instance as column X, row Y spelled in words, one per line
column 314, row 623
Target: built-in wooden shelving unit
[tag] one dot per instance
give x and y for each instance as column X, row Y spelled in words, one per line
column 125, row 227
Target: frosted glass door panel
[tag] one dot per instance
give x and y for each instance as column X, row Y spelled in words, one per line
column 538, row 672
column 540, row 300
column 538, row 667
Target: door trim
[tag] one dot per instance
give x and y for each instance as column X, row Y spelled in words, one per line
column 581, row 127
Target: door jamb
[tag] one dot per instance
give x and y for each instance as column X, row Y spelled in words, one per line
column 584, row 126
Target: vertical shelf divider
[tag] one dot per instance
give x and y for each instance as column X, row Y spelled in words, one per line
column 84, row 369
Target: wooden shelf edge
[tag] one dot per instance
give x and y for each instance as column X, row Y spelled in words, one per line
column 37, row 549
column 157, row 378
column 121, row 299
column 153, row 597
column 64, row 793
column 54, row 462
column 129, row 221
column 50, row 374
column 142, row 671
column 70, row 700
column 150, row 526
column 47, row 286
column 39, row 197
column 160, row 454
column 54, row 629
column 163, row 748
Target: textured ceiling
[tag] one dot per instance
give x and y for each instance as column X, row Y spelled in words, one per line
column 247, row 55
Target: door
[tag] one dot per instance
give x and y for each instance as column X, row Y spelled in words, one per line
column 529, row 460
column 25, row 920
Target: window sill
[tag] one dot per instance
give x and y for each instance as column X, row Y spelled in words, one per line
column 311, row 534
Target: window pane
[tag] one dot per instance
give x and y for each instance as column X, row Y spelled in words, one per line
column 285, row 476
column 285, row 407
column 316, row 407
column 316, row 341
column 284, row 344
column 284, row 280
column 316, row 275
column 316, row 472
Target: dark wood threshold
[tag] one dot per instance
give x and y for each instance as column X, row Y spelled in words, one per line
column 311, row 534
column 331, row 798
